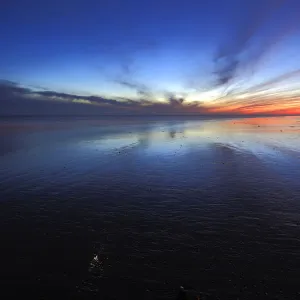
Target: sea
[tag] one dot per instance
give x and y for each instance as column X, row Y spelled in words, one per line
column 133, row 207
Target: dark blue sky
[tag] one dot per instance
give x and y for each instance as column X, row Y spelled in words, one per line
column 112, row 47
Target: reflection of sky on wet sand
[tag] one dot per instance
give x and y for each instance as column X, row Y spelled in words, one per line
column 259, row 136
column 79, row 146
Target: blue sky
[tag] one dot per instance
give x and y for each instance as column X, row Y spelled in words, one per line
column 89, row 47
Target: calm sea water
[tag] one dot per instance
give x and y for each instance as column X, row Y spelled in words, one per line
column 134, row 208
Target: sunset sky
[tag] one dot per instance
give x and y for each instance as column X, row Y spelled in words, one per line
column 150, row 57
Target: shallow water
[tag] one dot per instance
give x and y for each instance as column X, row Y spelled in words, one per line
column 113, row 208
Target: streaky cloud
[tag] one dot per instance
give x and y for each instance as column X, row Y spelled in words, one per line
column 246, row 50
column 15, row 99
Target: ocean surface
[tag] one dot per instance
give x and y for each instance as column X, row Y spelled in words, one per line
column 132, row 208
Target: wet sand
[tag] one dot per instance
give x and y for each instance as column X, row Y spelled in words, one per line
column 95, row 208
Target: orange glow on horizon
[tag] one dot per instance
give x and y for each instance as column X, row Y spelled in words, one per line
column 250, row 106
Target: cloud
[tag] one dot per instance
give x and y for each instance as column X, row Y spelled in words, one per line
column 19, row 100
column 15, row 99
column 174, row 101
column 268, row 96
column 141, row 89
column 251, row 40
column 8, row 87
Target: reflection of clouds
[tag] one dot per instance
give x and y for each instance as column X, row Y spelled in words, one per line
column 172, row 134
column 110, row 143
column 258, row 136
column 274, row 137
column 144, row 139
column 262, row 137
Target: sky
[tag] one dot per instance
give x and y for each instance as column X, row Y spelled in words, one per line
column 150, row 57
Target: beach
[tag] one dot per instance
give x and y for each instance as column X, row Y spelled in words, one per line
column 107, row 207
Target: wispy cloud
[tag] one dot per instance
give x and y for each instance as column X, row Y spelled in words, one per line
column 16, row 99
column 259, row 29
column 268, row 96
